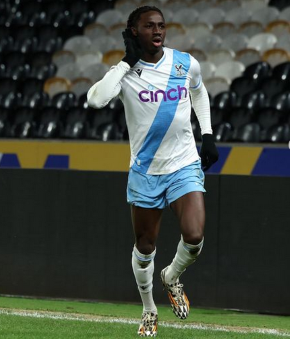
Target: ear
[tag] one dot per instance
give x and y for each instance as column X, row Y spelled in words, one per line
column 134, row 31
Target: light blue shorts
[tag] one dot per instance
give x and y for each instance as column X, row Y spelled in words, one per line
column 159, row 191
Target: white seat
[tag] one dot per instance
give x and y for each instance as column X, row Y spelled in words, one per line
column 208, row 43
column 56, row 85
column 78, row 44
column 285, row 14
column 284, row 42
column 227, row 5
column 219, row 56
column 265, row 15
column 254, row 4
column 68, row 71
column 94, row 30
column 235, row 41
column 168, row 14
column 207, row 69
column 251, row 28
column 198, row 29
column 216, row 85
column 237, row 16
column 173, row 5
column 110, row 17
column 62, row 57
column 212, row 15
column 116, row 31
column 125, row 6
column 230, row 70
column 186, row 16
column 80, row 86
column 95, row 72
column 173, row 29
column 248, row 56
column 87, row 59
column 103, row 44
column 223, row 29
column 200, row 5
column 263, row 41
column 198, row 54
column 181, row 42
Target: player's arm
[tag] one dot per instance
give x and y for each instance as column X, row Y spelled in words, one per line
column 102, row 92
column 200, row 103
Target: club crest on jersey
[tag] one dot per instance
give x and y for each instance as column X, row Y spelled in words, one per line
column 179, row 70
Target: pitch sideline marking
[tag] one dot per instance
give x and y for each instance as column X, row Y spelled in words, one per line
column 102, row 319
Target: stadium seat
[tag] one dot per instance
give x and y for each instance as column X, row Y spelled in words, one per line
column 63, row 57
column 285, row 12
column 220, row 55
column 200, row 5
column 115, row 31
column 207, row 69
column 212, row 15
column 265, row 15
column 238, row 16
column 235, row 41
column 110, row 17
column 173, row 29
column 208, row 43
column 64, row 100
column 228, row 5
column 276, row 56
column 222, row 132
column 283, row 42
column 272, row 86
column 282, row 71
column 182, row 42
column 254, row 4
column 56, row 85
column 248, row 56
column 225, row 101
column 198, row 29
column 85, row 60
column 111, row 58
column 94, row 30
column 69, row 71
column 4, row 117
column 248, row 133
column 186, row 15
column 253, row 101
column 100, row 121
column 198, row 54
column 216, row 85
column 278, row 28
column 266, row 118
column 262, row 42
column 251, row 28
column 78, row 44
column 279, row 133
column 281, row 102
column 230, row 70
column 104, row 44
column 243, row 85
column 80, row 85
column 75, row 124
column 258, row 71
column 49, row 123
column 23, row 123
column 222, row 29
column 43, row 72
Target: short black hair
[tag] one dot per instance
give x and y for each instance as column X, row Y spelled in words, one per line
column 135, row 15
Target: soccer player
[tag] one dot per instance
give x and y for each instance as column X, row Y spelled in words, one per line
column 157, row 86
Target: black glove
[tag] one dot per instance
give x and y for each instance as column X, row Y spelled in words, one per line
column 208, row 152
column 132, row 48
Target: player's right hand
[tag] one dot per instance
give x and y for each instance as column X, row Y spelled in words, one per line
column 132, row 48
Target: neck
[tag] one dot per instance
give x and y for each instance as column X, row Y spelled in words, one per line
column 153, row 58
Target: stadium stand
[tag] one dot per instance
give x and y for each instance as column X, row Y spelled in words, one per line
column 51, row 51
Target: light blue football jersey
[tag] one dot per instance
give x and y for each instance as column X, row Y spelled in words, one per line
column 157, row 105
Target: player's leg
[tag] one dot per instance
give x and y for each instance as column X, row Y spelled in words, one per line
column 187, row 202
column 146, row 225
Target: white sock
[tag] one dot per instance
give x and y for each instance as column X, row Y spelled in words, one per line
column 143, row 268
column 186, row 255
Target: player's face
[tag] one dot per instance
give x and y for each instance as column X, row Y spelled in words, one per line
column 151, row 32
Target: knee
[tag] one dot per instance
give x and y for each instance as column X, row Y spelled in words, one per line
column 193, row 238
column 145, row 247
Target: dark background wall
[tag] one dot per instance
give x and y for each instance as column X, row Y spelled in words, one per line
column 68, row 234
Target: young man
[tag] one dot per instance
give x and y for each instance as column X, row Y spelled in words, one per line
column 155, row 84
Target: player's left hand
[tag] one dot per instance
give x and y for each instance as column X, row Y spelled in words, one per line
column 208, row 152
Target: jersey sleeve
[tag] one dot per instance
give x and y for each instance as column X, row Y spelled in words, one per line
column 199, row 98
column 196, row 80
column 103, row 91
